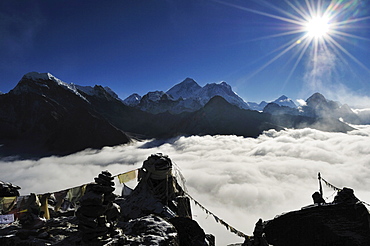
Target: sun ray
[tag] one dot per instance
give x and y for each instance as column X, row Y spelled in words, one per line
column 339, row 34
column 297, row 18
column 289, row 47
column 345, row 22
column 276, row 35
column 297, row 9
column 310, row 8
column 260, row 12
column 314, row 29
column 298, row 60
column 348, row 54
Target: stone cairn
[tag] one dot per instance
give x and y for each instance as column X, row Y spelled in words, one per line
column 97, row 213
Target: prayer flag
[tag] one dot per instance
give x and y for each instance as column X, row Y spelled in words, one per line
column 216, row 218
column 75, row 193
column 6, row 218
column 7, row 203
column 125, row 177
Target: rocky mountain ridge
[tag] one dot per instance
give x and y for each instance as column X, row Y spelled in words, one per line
column 317, row 106
column 43, row 115
column 187, row 96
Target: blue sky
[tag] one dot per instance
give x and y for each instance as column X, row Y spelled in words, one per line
column 136, row 46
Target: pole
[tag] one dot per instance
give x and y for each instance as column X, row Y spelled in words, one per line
column 320, row 186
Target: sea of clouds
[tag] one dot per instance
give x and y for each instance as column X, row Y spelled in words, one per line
column 238, row 179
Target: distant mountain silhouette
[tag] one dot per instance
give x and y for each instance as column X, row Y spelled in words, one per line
column 220, row 117
column 43, row 115
column 40, row 117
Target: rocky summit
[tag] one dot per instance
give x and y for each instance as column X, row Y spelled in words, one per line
column 345, row 222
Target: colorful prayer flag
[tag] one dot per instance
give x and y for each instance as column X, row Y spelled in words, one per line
column 7, row 203
column 75, row 193
column 125, row 177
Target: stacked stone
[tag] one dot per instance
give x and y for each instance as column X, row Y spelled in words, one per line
column 97, row 213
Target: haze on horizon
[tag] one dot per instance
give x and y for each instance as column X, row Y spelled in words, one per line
column 263, row 49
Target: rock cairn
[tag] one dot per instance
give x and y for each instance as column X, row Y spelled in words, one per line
column 97, row 213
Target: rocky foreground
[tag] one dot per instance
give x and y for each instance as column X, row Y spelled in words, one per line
column 155, row 213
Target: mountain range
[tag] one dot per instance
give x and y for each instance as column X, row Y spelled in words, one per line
column 189, row 96
column 43, row 115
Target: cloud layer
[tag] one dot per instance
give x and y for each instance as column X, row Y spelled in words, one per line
column 239, row 179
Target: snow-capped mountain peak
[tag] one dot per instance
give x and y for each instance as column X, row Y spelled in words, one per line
column 223, row 83
column 185, row 89
column 285, row 101
column 153, row 96
column 40, row 79
column 221, row 89
column 185, row 96
column 132, row 100
column 42, row 76
column 316, row 99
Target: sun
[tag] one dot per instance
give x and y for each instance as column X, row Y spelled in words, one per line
column 317, row 27
column 316, row 33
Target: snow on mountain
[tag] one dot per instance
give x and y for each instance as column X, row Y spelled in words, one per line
column 285, row 101
column 256, row 106
column 153, row 96
column 186, row 89
column 222, row 89
column 93, row 91
column 186, row 96
column 89, row 90
column 132, row 100
column 281, row 101
column 40, row 78
column 191, row 91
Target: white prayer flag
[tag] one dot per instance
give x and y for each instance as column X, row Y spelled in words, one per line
column 6, row 218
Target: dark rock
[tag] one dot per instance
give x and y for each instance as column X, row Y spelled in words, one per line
column 97, row 225
column 104, row 182
column 104, row 175
column 89, row 222
column 8, row 189
column 150, row 230
column 91, row 198
column 190, row 233
column 346, row 195
column 338, row 224
column 25, row 233
column 43, row 235
column 98, row 188
column 91, row 210
column 113, row 213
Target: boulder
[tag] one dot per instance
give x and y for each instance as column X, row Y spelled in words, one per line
column 339, row 224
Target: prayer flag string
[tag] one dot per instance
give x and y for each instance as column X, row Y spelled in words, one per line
column 218, row 220
column 337, row 189
column 330, row 185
